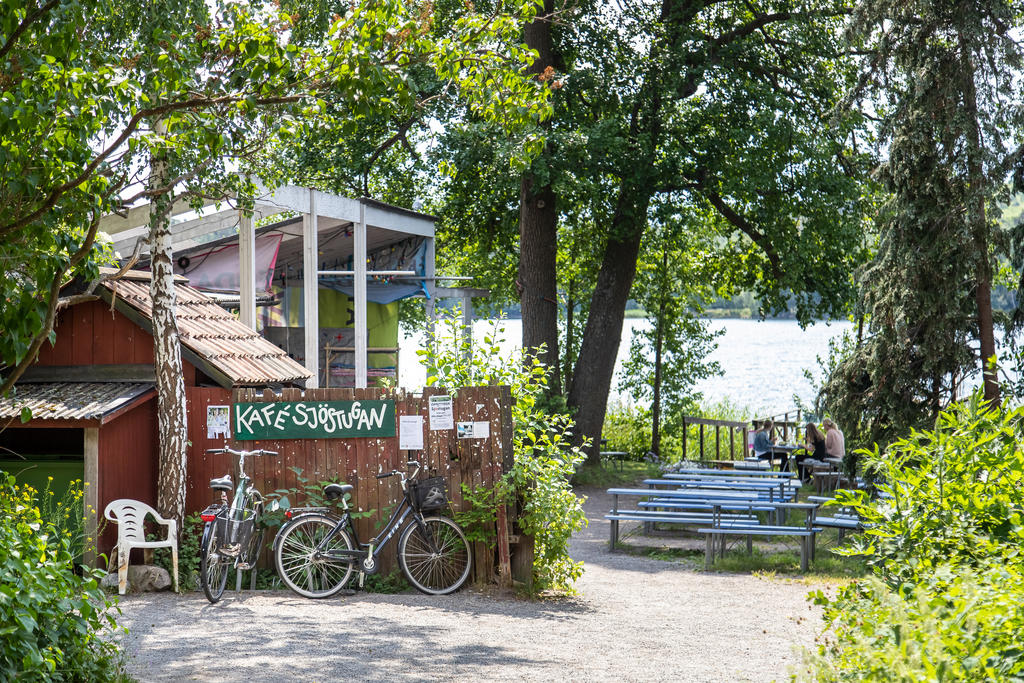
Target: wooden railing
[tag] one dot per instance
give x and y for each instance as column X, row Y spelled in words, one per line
column 737, row 447
column 783, row 422
column 709, row 446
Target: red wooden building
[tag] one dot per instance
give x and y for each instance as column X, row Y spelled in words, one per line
column 93, row 398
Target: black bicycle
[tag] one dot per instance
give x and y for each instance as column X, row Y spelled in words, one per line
column 232, row 537
column 317, row 551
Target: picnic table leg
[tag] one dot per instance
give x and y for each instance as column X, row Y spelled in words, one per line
column 750, row 545
column 708, row 551
column 803, row 553
column 614, row 534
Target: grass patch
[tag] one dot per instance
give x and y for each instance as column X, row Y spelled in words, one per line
column 610, row 475
column 825, row 564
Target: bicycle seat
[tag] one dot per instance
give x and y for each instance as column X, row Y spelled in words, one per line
column 335, row 491
column 221, row 483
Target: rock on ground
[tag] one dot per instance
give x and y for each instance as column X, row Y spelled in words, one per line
column 142, row 578
column 635, row 619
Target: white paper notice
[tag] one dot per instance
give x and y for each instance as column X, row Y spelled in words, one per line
column 217, row 423
column 481, row 430
column 441, row 413
column 410, row 432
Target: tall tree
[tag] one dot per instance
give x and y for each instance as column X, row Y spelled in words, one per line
column 945, row 77
column 222, row 81
column 538, row 225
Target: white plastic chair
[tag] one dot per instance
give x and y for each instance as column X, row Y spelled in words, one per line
column 130, row 516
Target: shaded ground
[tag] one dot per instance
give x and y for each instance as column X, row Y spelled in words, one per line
column 636, row 618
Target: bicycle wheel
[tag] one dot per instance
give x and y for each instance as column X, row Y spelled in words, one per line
column 213, row 569
column 294, row 551
column 435, row 558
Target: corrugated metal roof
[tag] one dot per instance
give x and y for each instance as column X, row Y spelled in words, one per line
column 72, row 400
column 215, row 335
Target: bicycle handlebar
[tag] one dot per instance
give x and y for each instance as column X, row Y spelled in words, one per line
column 410, row 463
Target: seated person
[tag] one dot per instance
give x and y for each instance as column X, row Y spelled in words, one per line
column 762, row 441
column 814, row 449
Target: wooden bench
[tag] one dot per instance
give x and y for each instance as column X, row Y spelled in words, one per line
column 650, row 517
column 805, row 533
column 840, row 520
column 705, row 502
column 782, row 491
column 615, row 457
column 740, row 474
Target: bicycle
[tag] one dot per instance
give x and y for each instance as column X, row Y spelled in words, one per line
column 315, row 555
column 232, row 536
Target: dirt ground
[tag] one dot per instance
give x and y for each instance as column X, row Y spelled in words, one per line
column 635, row 619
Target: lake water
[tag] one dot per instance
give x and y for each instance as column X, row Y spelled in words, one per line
column 762, row 362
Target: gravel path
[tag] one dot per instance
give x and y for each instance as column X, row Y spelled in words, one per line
column 635, row 619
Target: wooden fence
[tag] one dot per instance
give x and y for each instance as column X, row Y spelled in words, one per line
column 714, row 440
column 476, row 462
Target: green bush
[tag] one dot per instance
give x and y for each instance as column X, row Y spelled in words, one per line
column 544, row 455
column 947, row 599
column 188, row 553
column 54, row 623
column 627, row 428
column 957, row 625
column 957, row 495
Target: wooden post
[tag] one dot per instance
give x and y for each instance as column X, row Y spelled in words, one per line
column 718, row 445
column 91, row 492
column 701, row 441
column 732, row 443
column 686, row 428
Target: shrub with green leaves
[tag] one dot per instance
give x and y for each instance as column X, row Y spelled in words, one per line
column 957, row 625
column 957, row 495
column 544, row 455
column 945, row 542
column 54, row 623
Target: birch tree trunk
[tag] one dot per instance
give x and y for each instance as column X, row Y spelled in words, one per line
column 170, row 382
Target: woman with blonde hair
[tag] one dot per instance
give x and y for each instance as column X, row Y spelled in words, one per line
column 814, row 449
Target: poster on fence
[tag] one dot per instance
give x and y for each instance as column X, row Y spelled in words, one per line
column 442, row 416
column 410, row 432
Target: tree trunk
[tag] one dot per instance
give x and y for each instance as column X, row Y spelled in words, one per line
column 538, row 241
column 595, row 366
column 170, row 383
column 979, row 229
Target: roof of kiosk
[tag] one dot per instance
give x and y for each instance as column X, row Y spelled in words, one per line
column 198, row 237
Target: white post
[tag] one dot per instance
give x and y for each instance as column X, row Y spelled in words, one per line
column 246, row 270
column 359, row 294
column 310, row 293
column 467, row 323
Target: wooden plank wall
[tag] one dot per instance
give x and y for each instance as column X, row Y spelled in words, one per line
column 476, row 462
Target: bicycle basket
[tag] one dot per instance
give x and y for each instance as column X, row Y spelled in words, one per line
column 429, row 494
column 234, row 533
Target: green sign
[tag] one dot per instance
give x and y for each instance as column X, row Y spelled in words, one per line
column 313, row 420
